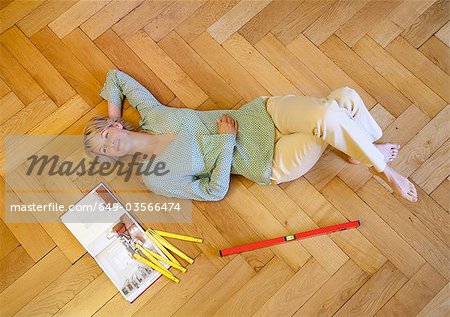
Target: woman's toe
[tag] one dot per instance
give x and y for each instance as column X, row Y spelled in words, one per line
column 413, row 189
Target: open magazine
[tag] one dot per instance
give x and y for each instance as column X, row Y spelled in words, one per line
column 111, row 243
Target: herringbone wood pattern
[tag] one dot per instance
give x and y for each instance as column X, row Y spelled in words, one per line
column 220, row 54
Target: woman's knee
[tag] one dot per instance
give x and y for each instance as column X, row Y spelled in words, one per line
column 294, row 155
column 342, row 94
column 328, row 118
column 329, row 112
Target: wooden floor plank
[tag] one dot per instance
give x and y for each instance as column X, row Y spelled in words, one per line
column 293, row 218
column 428, row 23
column 14, row 265
column 399, row 76
column 33, row 281
column 302, row 17
column 15, row 11
column 364, row 20
column 431, row 214
column 171, row 17
column 55, row 123
column 385, row 32
column 10, row 105
column 95, row 61
column 210, row 297
column 333, row 76
column 420, row 66
column 293, row 69
column 37, row 66
column 415, row 294
column 43, row 15
column 377, row 231
column 377, row 291
column 335, row 292
column 269, row 17
column 203, row 18
column 165, row 68
column 444, row 34
column 251, row 296
column 107, row 17
column 411, row 229
column 17, row 78
column 200, row 72
column 406, row 126
column 332, row 19
column 119, row 304
column 296, row 291
column 28, row 117
column 226, row 66
column 63, row 289
column 213, row 240
column 68, row 65
column 248, row 207
column 353, row 243
column 424, row 144
column 329, row 165
column 437, row 52
column 75, row 16
column 32, row 237
column 438, row 165
column 407, row 12
column 127, row 61
column 366, row 76
column 172, row 297
column 440, row 195
column 7, row 241
column 258, row 66
column 90, row 299
column 4, row 89
column 139, row 17
column 236, row 231
column 234, row 19
column 438, row 306
column 59, row 233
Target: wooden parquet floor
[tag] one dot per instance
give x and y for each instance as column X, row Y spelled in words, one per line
column 54, row 56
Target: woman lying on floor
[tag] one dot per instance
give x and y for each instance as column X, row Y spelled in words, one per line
column 280, row 138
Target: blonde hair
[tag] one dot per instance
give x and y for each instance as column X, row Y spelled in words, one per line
column 92, row 132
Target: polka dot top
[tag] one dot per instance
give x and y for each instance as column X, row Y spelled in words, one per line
column 199, row 160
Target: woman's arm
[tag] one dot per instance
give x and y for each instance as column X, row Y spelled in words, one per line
column 216, row 186
column 213, row 188
column 119, row 85
column 114, row 111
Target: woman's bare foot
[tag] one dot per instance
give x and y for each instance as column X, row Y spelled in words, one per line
column 389, row 151
column 398, row 183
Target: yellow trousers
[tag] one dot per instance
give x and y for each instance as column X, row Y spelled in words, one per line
column 306, row 125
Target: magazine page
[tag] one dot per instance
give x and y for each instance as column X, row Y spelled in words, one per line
column 114, row 244
column 129, row 275
column 80, row 220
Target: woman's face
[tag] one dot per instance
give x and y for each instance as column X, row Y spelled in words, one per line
column 113, row 141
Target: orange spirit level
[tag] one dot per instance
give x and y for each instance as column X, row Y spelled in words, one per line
column 298, row 236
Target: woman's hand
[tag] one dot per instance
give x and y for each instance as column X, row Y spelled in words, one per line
column 227, row 125
column 114, row 111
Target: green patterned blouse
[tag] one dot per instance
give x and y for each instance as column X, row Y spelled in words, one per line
column 199, row 159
